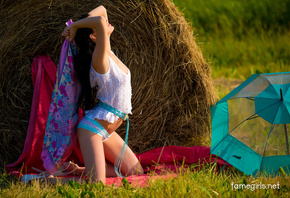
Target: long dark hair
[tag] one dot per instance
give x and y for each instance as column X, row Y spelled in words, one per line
column 82, row 65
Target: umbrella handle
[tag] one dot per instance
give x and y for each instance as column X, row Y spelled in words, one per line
column 281, row 94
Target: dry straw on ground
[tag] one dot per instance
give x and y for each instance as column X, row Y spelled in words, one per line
column 172, row 85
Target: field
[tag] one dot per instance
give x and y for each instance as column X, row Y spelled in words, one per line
column 203, row 183
column 238, row 38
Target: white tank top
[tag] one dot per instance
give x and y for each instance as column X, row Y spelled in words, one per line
column 114, row 88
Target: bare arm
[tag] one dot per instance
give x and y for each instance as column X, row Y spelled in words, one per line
column 97, row 23
column 99, row 11
column 89, row 22
column 100, row 37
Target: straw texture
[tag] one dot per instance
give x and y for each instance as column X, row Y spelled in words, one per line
column 171, row 81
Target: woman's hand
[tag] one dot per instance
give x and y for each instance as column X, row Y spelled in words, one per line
column 98, row 22
column 69, row 32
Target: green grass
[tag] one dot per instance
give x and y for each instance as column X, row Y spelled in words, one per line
column 239, row 37
column 203, row 183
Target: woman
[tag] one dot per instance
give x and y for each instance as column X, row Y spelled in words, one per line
column 96, row 65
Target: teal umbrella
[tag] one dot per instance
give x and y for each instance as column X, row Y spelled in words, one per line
column 250, row 125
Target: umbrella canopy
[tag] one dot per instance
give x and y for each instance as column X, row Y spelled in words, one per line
column 250, row 125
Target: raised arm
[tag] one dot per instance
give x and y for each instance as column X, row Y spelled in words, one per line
column 99, row 25
column 89, row 22
column 99, row 11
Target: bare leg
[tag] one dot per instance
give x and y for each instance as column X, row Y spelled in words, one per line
column 110, row 170
column 113, row 147
column 93, row 153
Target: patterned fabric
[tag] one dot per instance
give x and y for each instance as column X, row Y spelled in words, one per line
column 60, row 134
column 114, row 88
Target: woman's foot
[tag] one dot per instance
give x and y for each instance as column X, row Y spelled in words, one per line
column 67, row 168
column 70, row 168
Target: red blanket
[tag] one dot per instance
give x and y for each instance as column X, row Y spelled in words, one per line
column 166, row 162
column 159, row 160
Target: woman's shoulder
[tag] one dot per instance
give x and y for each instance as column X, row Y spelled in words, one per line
column 101, row 72
column 102, row 66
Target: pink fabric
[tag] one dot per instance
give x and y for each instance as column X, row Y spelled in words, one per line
column 174, row 157
column 43, row 78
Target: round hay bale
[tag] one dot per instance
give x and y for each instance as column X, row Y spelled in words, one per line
column 171, row 82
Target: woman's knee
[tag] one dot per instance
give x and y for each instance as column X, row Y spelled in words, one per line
column 136, row 170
